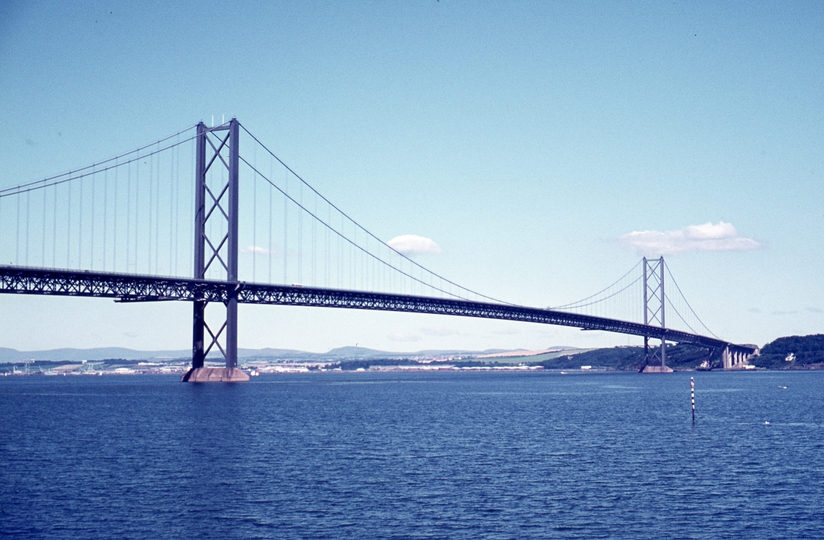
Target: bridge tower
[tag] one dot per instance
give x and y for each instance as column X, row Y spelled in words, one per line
column 655, row 359
column 216, row 245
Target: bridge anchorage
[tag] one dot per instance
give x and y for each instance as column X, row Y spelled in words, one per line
column 108, row 256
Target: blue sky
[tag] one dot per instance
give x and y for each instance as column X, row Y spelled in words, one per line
column 544, row 147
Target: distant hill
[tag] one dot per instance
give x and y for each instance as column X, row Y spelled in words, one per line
column 78, row 355
column 613, row 358
column 356, row 352
column 110, row 353
column 362, row 352
column 632, row 358
column 793, row 352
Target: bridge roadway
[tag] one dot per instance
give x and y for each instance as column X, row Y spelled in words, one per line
column 138, row 288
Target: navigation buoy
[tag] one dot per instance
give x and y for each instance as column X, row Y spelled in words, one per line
column 692, row 397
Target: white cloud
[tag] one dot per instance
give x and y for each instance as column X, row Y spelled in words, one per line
column 410, row 244
column 256, row 249
column 707, row 237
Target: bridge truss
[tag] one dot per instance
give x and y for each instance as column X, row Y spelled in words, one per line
column 129, row 288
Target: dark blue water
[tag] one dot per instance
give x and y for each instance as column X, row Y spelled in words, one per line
column 440, row 455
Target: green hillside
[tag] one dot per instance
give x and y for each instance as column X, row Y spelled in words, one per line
column 632, row 358
column 793, row 352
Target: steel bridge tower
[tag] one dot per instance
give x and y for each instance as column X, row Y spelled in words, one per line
column 655, row 360
column 216, row 246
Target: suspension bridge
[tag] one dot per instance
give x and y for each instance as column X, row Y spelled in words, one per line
column 123, row 229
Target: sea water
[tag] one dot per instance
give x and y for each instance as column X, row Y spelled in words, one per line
column 414, row 455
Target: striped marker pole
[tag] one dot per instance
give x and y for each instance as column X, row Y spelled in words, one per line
column 692, row 397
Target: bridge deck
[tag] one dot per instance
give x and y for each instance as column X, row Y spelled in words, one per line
column 136, row 288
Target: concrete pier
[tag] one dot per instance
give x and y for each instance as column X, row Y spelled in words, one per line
column 215, row 375
column 656, row 369
column 735, row 359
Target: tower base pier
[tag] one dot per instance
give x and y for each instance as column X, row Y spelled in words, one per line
column 203, row 374
column 656, row 369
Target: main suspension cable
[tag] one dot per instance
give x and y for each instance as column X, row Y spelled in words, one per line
column 359, row 226
column 687, row 302
column 73, row 175
column 580, row 303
